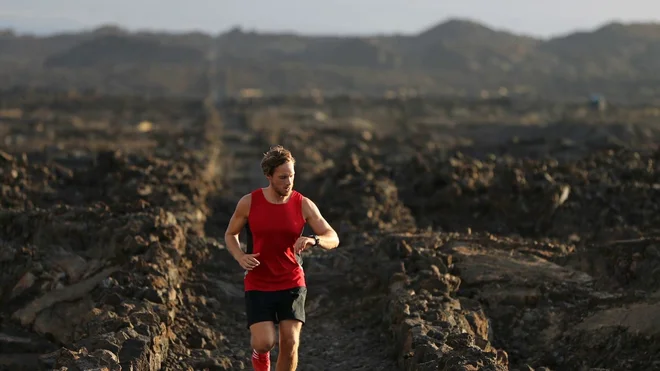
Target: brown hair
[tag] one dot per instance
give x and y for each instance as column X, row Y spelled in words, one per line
column 276, row 156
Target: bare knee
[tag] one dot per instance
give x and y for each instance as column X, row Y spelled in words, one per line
column 289, row 337
column 289, row 345
column 263, row 337
column 262, row 344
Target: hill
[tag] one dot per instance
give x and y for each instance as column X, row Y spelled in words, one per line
column 456, row 57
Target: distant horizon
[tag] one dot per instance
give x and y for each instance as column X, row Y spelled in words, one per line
column 541, row 20
column 7, row 26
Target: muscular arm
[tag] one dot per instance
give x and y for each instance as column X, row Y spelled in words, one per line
column 328, row 238
column 236, row 224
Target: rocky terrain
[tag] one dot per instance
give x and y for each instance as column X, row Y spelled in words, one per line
column 475, row 236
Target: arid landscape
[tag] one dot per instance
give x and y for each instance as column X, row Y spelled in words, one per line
column 475, row 235
column 502, row 221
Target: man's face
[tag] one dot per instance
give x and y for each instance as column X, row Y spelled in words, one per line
column 282, row 179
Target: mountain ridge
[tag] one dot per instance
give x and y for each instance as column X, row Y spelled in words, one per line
column 238, row 28
column 456, row 57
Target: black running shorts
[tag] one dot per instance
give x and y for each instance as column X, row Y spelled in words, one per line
column 275, row 306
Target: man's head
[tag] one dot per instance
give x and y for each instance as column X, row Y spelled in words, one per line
column 278, row 167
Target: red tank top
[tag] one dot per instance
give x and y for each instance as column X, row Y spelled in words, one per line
column 272, row 229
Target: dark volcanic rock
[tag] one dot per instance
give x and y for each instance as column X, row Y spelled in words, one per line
column 465, row 245
column 100, row 275
column 603, row 192
column 433, row 327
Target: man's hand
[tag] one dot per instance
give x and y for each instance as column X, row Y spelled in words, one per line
column 302, row 244
column 248, row 261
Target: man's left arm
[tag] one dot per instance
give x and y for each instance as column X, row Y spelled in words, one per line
column 328, row 238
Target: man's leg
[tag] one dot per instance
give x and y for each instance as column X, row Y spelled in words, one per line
column 291, row 314
column 287, row 359
column 262, row 340
column 261, row 317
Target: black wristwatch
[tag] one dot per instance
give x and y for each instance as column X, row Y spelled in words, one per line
column 316, row 240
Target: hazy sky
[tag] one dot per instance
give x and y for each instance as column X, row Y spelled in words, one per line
column 534, row 17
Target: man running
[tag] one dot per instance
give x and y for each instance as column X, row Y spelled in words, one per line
column 275, row 287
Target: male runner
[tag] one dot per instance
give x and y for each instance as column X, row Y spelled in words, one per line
column 275, row 288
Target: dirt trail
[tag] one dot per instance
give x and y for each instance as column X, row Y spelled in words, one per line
column 343, row 325
column 343, row 330
column 338, row 333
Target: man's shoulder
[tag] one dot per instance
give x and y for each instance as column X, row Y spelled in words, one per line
column 248, row 196
column 245, row 201
column 301, row 197
column 307, row 203
column 295, row 193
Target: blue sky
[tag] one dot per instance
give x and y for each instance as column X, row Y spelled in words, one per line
column 532, row 17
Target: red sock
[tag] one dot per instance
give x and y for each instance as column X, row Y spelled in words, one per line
column 260, row 361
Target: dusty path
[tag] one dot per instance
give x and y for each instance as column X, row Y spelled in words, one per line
column 342, row 330
column 339, row 333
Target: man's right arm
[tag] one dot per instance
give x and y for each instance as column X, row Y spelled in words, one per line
column 236, row 224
